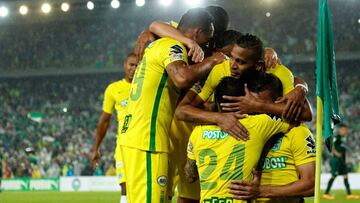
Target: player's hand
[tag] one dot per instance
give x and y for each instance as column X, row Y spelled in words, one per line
column 195, row 51
column 295, row 101
column 271, row 58
column 243, row 104
column 218, row 57
column 144, row 38
column 243, row 190
column 229, row 123
column 95, row 157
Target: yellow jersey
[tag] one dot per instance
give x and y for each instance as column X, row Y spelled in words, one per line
column 223, row 70
column 116, row 97
column 295, row 148
column 220, row 158
column 153, row 98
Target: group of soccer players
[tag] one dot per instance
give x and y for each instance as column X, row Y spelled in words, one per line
column 211, row 112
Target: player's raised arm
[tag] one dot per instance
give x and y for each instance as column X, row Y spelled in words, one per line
column 169, row 30
column 184, row 76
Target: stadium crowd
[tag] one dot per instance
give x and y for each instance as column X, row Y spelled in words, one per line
column 98, row 42
column 47, row 124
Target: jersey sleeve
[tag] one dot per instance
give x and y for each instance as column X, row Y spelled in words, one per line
column 210, row 84
column 109, row 102
column 171, row 51
column 303, row 146
column 192, row 144
column 271, row 126
column 286, row 77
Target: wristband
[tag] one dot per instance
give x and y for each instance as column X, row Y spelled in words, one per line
column 304, row 87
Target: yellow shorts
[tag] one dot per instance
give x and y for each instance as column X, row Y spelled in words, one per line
column 119, row 164
column 147, row 175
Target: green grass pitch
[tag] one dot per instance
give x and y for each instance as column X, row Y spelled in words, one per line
column 108, row 197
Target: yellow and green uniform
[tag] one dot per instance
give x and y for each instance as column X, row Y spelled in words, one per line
column 116, row 97
column 179, row 136
column 295, row 148
column 220, row 158
column 152, row 101
column 224, row 70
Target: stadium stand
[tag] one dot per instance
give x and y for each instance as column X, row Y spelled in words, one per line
column 47, row 122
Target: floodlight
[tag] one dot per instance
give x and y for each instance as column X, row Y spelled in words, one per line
column 90, row 5
column 23, row 10
column 115, row 4
column 165, row 2
column 4, row 11
column 140, row 2
column 46, row 8
column 194, row 3
column 65, row 7
column 268, row 14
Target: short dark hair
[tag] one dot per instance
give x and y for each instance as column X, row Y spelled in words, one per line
column 229, row 86
column 258, row 81
column 250, row 41
column 196, row 17
column 131, row 54
column 221, row 19
column 227, row 38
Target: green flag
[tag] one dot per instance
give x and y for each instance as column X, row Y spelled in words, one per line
column 326, row 85
column 35, row 116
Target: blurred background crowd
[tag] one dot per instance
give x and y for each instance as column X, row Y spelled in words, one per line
column 54, row 72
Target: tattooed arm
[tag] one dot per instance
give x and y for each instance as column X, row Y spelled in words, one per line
column 184, row 76
column 191, row 172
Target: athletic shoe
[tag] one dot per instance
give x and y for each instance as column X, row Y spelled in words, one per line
column 352, row 196
column 328, row 196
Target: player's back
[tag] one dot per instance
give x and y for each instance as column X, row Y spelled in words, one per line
column 153, row 98
column 220, row 158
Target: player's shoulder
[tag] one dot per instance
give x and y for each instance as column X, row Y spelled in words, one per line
column 300, row 135
column 221, row 70
column 279, row 68
column 201, row 129
column 169, row 42
column 116, row 84
column 224, row 66
column 262, row 118
column 300, row 131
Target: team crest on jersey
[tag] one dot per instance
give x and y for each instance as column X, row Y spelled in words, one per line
column 162, row 181
column 124, row 103
column 190, row 148
column 176, row 53
column 310, row 143
column 277, row 145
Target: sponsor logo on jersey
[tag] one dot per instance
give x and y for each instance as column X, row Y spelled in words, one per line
column 310, row 143
column 162, row 180
column 176, row 53
column 272, row 163
column 277, row 145
column 218, row 200
column 214, row 134
column 124, row 103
